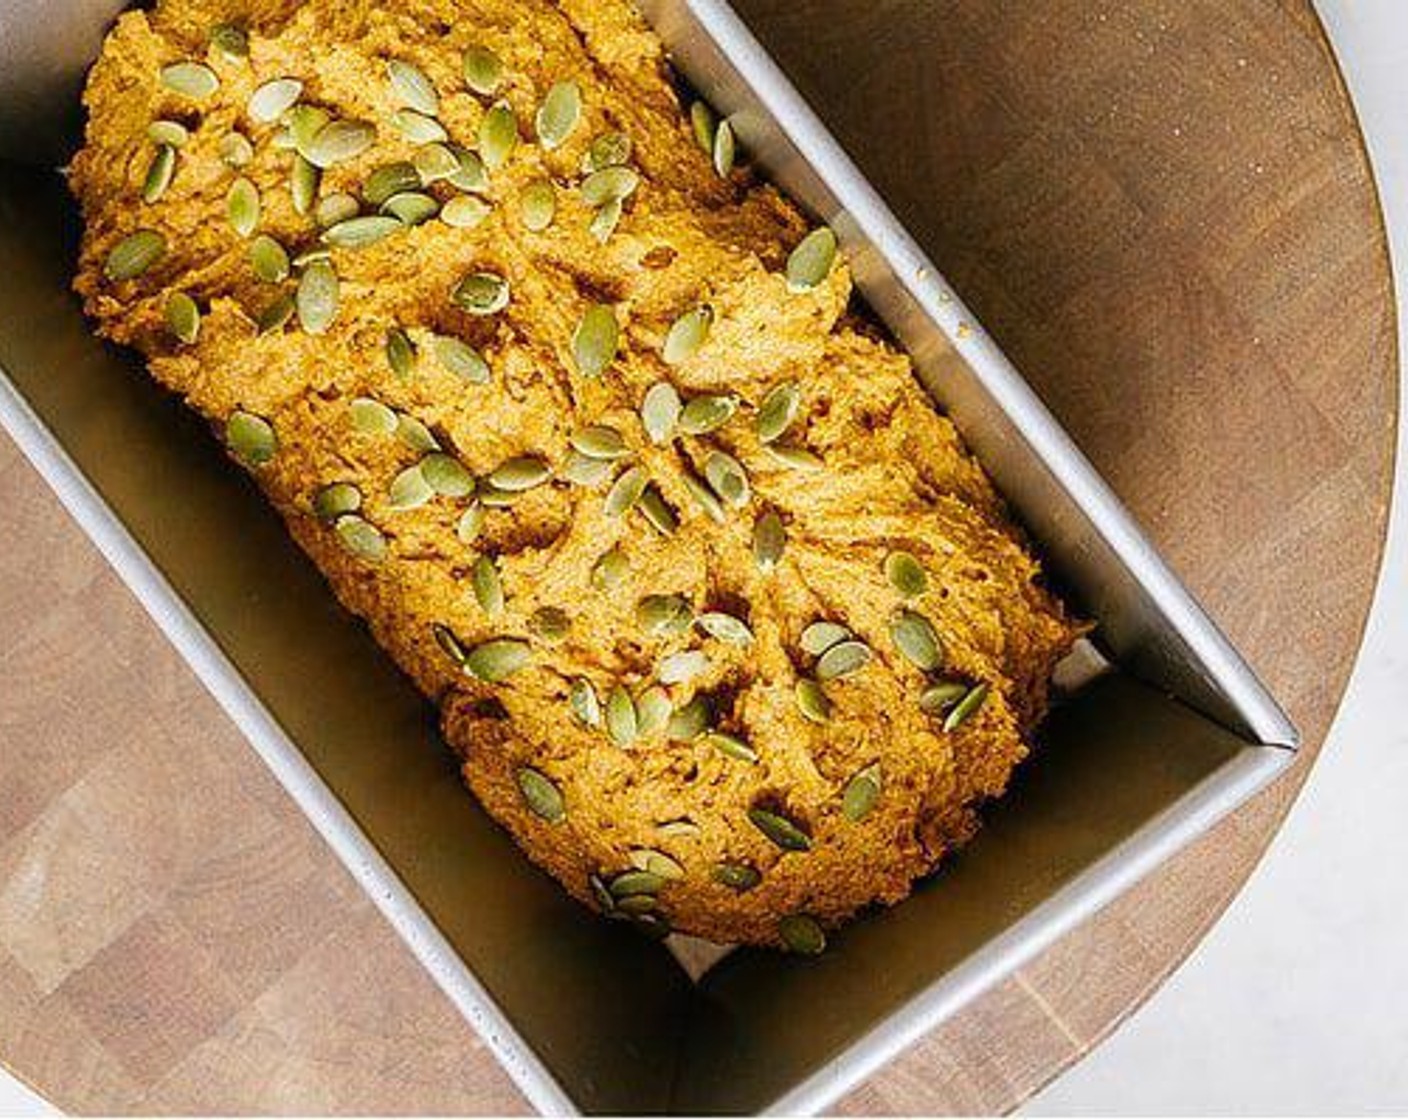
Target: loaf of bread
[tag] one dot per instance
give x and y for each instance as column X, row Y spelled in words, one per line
column 728, row 628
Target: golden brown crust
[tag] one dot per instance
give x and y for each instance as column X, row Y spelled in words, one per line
column 895, row 475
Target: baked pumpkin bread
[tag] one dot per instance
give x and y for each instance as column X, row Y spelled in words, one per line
column 730, row 631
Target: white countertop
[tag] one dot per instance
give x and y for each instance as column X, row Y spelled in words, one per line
column 1294, row 1003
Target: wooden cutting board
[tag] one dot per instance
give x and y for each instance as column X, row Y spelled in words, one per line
column 1163, row 212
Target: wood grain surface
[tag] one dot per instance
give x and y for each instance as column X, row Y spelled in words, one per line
column 1161, row 210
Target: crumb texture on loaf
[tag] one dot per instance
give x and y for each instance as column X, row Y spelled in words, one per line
column 566, row 408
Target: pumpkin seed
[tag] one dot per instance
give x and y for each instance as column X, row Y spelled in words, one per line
column 303, row 182
column 906, row 574
column 596, row 340
column 687, row 334
column 582, row 471
column 435, row 162
column 488, row 587
column 778, row 410
column 483, row 70
column 682, row 667
column 636, row 882
column 769, row 541
column 522, row 472
column 269, row 259
column 411, row 208
column 414, row 434
column 135, row 254
column 190, row 79
column 447, row 476
column 409, row 83
column 462, row 359
column 390, row 179
column 730, row 746
column 409, row 489
column 400, row 352
column 707, row 413
column 541, row 794
column 172, row 133
column 471, row 175
column 653, row 711
column 605, row 221
column 610, row 184
column 552, row 624
column 231, row 42
column 182, row 317
column 471, row 521
column 941, row 696
column 625, row 492
column 705, row 123
column 276, row 314
column 728, row 478
column 339, row 141
column 250, row 438
column 361, row 538
column 657, row 863
column 371, row 417
column 558, row 114
column 663, row 616
column 620, row 717
column 448, row 643
column 810, row 262
column 842, row 660
column 737, row 876
column 482, row 293
column 638, row 907
column 914, row 636
column 610, row 570
column 465, row 212
column 862, row 792
column 537, row 204
column 605, row 903
column 690, row 721
column 498, row 135
column 418, row 128
column 965, row 708
column 160, row 172
column 657, row 511
column 725, row 627
column 704, row 498
column 334, row 208
column 812, row 700
column 273, row 99
column 660, row 411
column 318, row 294
column 800, row 933
column 610, row 149
column 242, row 206
column 311, row 254
column 781, row 831
column 498, row 659
column 585, row 706
column 600, row 442
column 359, row 233
column 303, row 123
column 332, row 501
column 235, row 150
column 725, row 149
column 793, row 458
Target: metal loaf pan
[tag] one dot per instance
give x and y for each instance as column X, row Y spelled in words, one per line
column 586, row 1016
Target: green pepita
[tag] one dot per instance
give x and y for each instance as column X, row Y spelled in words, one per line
column 682, row 667
column 778, row 410
column 780, row 830
column 359, row 233
column 585, row 705
column 414, row 434
column 801, row 933
column 465, row 212
column 728, row 478
column 160, row 172
column 940, row 696
column 273, row 99
column 411, row 208
column 653, row 711
column 482, row 293
column 410, row 84
column 332, row 501
column 965, row 708
column 339, row 141
column 409, row 490
column 657, row 863
column 915, row 637
column 242, row 207
column 483, row 70
column 580, row 470
column 657, row 511
column 605, row 220
column 231, row 42
column 704, row 498
column 625, row 492
column 558, row 114
column 434, row 162
column 769, row 541
column 610, row 570
column 687, row 334
column 462, row 359
column 304, row 179
column 812, row 700
column 135, row 254
column 660, row 411
column 448, row 643
column 737, row 876
column 361, row 538
column 418, row 128
column 906, row 574
column 471, row 175
column 635, row 882
column 610, row 184
column 371, row 417
column 190, row 79
column 690, row 720
column 621, row 724
column 705, row 123
column 810, row 262
column 269, row 259
column 552, row 624
column 171, row 133
column 250, row 438
column 725, row 627
column 182, row 317
column 488, row 587
column 390, row 179
column 725, row 149
column 276, row 314
column 861, row 794
column 842, row 660
column 600, row 441
column 522, row 472
column 498, row 659
column 447, row 476
column 537, row 203
column 498, row 135
column 235, row 150
column 707, row 413
column 318, row 295
column 470, row 524
column 730, row 746
column 541, row 794
column 663, row 616
column 596, row 340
